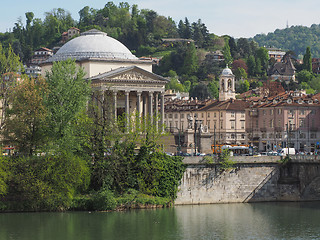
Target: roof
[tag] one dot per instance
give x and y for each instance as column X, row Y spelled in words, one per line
column 296, row 99
column 93, row 44
column 231, row 104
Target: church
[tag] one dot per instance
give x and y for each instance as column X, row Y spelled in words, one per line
column 112, row 68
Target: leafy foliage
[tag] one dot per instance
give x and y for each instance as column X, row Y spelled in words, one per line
column 45, row 183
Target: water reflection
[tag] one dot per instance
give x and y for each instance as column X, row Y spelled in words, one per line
column 219, row 221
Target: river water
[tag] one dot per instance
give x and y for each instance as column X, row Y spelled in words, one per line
column 217, row 221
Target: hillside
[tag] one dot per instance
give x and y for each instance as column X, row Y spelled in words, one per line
column 295, row 38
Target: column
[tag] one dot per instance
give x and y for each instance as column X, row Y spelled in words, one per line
column 162, row 112
column 225, row 85
column 139, row 104
column 150, row 106
column 156, row 111
column 115, row 105
column 127, row 108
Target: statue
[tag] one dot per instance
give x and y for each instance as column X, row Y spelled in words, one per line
column 190, row 122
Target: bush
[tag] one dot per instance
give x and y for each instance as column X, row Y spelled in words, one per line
column 104, row 200
column 45, row 183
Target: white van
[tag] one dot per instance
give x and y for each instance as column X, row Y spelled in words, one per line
column 284, row 151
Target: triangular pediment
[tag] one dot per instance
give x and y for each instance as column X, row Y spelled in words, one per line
column 130, row 74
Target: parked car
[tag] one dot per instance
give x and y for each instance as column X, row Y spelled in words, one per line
column 264, row 154
column 272, row 153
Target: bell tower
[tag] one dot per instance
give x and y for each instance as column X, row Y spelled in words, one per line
column 226, row 85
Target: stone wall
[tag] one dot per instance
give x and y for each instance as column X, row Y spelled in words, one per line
column 249, row 182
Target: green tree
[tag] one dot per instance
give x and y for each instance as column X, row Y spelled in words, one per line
column 263, row 56
column 68, row 93
column 251, row 63
column 10, row 65
column 307, row 60
column 243, row 86
column 213, row 87
column 226, row 53
column 304, row 76
column 25, row 125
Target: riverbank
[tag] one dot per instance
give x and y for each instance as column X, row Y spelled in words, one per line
column 252, row 179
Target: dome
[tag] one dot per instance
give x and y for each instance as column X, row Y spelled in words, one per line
column 226, row 71
column 93, row 44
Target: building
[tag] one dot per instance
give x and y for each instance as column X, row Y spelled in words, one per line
column 316, row 65
column 283, row 71
column 41, row 55
column 288, row 119
column 113, row 69
column 66, row 36
column 218, row 121
column 276, row 53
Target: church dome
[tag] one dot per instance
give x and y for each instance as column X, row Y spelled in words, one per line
column 227, row 71
column 93, row 44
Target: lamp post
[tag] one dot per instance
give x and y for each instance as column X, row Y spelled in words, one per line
column 214, row 139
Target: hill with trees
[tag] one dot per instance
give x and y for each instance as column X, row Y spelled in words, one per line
column 295, row 38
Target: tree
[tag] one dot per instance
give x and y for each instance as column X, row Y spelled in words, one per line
column 213, row 87
column 240, row 73
column 307, row 60
column 226, row 53
column 251, row 63
column 200, row 91
column 68, row 93
column 304, row 76
column 243, row 86
column 26, row 116
column 263, row 56
column 10, row 65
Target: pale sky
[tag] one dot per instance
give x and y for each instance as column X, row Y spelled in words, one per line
column 237, row 18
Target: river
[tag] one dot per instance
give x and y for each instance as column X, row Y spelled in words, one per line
column 217, row 221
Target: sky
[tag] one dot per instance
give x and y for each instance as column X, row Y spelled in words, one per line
column 236, row 18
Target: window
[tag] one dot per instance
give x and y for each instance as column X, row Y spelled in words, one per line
column 271, row 111
column 313, row 111
column 242, row 114
column 242, row 136
column 301, row 122
column 165, row 115
column 182, row 126
column 271, row 123
column 215, row 114
column 242, row 124
column 313, row 135
column 182, row 115
column 232, row 136
column 263, row 135
column 279, row 123
column 208, row 124
column 176, row 115
column 221, row 115
column 301, row 112
column 177, row 124
column 221, row 124
column 170, row 115
column 264, row 112
column 232, row 124
column 291, row 112
column 202, row 115
column 232, row 114
column 257, row 123
column 215, row 124
column 302, row 135
column 208, row 115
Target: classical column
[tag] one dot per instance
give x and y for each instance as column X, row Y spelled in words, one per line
column 150, row 110
column 225, row 85
column 115, row 105
column 156, row 110
column 139, row 104
column 127, row 108
column 162, row 111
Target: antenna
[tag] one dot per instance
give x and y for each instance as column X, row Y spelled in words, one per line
column 287, row 24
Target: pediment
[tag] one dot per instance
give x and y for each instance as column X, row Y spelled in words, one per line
column 130, row 74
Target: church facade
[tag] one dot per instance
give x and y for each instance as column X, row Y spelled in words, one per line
column 112, row 68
